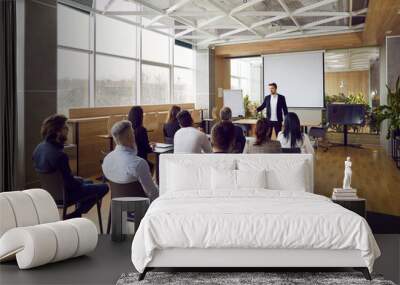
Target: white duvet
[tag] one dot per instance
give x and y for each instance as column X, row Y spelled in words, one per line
column 253, row 218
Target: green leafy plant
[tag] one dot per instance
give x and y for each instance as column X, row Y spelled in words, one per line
column 391, row 112
column 250, row 108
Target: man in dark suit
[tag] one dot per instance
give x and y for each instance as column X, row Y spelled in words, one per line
column 276, row 108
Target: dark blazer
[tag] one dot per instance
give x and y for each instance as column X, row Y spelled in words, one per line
column 48, row 157
column 280, row 107
column 169, row 130
column 142, row 142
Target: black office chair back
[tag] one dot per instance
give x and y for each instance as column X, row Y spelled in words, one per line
column 133, row 189
column 53, row 183
column 168, row 140
column 291, row 150
column 317, row 132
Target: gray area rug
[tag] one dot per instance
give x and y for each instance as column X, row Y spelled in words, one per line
column 232, row 278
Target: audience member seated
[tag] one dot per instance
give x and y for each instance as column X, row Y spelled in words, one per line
column 49, row 157
column 123, row 165
column 240, row 141
column 292, row 137
column 189, row 139
column 135, row 116
column 172, row 124
column 263, row 143
column 223, row 137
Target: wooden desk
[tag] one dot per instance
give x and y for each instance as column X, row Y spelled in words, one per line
column 249, row 124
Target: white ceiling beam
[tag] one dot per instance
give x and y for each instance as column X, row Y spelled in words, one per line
column 322, row 14
column 358, row 12
column 269, row 20
column 185, row 32
column 288, row 12
column 350, row 10
column 192, row 37
column 165, row 27
column 313, row 6
column 260, row 13
column 281, row 32
column 222, row 26
column 231, row 16
column 221, row 36
column 196, row 13
column 154, row 20
column 131, row 13
column 324, row 21
column 191, row 26
column 169, row 11
column 108, row 5
column 200, row 26
column 244, row 6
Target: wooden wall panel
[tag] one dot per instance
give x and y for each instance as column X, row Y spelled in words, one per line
column 222, row 79
column 348, row 40
column 382, row 16
column 353, row 82
column 75, row 113
column 91, row 146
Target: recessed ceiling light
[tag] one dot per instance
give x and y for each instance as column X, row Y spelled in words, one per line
column 388, row 32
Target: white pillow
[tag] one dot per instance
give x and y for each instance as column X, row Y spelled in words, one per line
column 223, row 179
column 251, row 178
column 190, row 176
column 291, row 179
column 282, row 174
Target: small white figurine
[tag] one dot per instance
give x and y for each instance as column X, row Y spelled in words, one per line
column 347, row 174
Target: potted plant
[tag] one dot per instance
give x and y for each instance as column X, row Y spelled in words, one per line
column 391, row 112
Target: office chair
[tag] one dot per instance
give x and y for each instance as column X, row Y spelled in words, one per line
column 133, row 189
column 54, row 184
column 291, row 150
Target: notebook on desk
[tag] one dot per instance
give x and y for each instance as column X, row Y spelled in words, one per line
column 163, row 145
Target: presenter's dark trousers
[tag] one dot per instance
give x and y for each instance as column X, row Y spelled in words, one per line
column 277, row 126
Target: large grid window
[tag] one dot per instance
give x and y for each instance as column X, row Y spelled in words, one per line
column 105, row 61
column 73, row 59
column 246, row 75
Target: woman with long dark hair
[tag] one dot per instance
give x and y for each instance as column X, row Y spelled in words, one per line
column 171, row 126
column 135, row 116
column 263, row 143
column 292, row 136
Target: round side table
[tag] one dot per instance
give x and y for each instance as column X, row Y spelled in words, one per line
column 119, row 209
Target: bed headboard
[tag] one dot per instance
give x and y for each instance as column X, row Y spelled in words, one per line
column 269, row 161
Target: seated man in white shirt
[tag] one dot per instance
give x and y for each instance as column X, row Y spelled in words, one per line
column 189, row 139
column 123, row 166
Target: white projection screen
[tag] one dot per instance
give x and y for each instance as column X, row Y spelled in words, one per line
column 299, row 76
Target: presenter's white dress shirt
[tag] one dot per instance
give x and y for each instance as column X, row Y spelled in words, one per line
column 191, row 140
column 273, row 104
column 122, row 165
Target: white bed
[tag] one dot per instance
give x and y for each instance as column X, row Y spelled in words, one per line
column 231, row 219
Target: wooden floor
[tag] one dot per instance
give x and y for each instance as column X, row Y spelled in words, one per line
column 374, row 175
